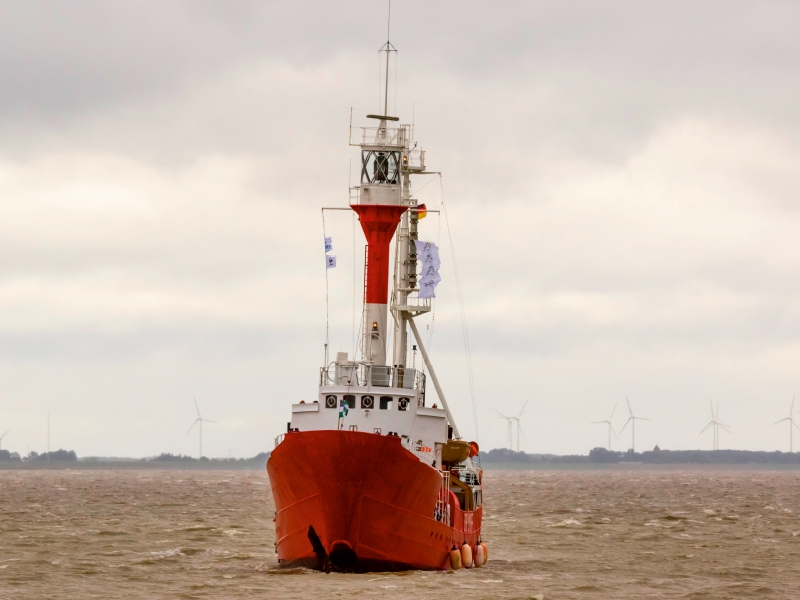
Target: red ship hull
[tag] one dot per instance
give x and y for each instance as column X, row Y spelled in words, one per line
column 368, row 501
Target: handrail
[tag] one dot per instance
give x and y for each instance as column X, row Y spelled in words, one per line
column 382, row 136
column 361, row 375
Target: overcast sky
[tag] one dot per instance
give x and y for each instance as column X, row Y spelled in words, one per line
column 622, row 182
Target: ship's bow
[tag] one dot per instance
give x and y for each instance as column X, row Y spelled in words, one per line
column 354, row 501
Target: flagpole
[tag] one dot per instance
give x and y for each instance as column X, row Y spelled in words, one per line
column 327, row 308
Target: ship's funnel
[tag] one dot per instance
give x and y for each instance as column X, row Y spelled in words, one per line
column 379, row 222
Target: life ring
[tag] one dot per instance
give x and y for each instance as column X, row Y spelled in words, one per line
column 455, row 559
column 367, row 401
column 330, row 401
column 466, row 555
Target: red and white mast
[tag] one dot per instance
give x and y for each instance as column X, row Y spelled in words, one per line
column 383, row 201
column 379, row 205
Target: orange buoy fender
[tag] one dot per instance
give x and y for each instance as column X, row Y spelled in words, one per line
column 480, row 556
column 455, row 559
column 466, row 556
column 485, row 553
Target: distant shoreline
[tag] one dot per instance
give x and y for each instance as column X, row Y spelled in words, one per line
column 499, row 459
column 486, row 466
column 636, row 466
column 137, row 465
column 600, row 458
column 62, row 460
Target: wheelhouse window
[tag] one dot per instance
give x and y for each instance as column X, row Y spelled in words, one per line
column 331, row 402
column 350, row 400
column 367, row 402
column 402, row 404
column 386, row 402
column 380, row 166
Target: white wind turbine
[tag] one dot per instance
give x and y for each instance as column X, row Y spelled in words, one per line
column 517, row 418
column 1, row 439
column 608, row 422
column 716, row 425
column 632, row 420
column 510, row 429
column 790, row 418
column 200, row 420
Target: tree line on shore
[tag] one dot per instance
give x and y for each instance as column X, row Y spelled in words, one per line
column 167, row 457
column 656, row 456
column 55, row 456
column 62, row 456
column 498, row 455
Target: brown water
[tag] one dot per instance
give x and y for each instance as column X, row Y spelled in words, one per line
column 578, row 534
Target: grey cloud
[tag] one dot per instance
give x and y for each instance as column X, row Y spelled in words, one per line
column 612, row 72
column 196, row 340
column 66, row 57
column 621, row 181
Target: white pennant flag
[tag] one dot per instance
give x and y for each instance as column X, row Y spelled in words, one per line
column 428, row 254
column 330, row 261
column 328, row 244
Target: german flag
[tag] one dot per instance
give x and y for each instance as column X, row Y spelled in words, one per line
column 422, row 211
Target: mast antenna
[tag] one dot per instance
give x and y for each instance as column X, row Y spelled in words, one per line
column 387, row 47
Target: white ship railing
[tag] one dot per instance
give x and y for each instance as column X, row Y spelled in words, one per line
column 414, row 303
column 375, row 136
column 372, row 376
column 416, row 160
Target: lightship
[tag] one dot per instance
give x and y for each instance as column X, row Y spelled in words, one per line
column 370, row 477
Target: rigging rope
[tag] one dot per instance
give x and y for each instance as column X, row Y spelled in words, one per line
column 463, row 313
column 432, row 179
column 433, row 301
column 354, row 285
column 327, row 311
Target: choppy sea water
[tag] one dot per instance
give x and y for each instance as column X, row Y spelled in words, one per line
column 568, row 534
